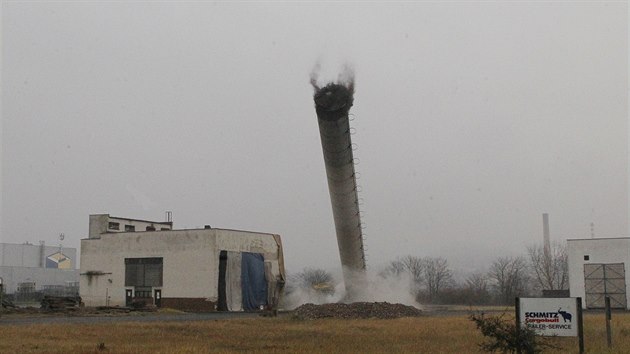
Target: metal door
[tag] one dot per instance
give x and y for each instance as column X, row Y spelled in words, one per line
column 222, row 286
column 601, row 280
column 128, row 297
column 157, row 298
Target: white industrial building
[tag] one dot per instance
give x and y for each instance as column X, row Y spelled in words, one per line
column 29, row 268
column 126, row 261
column 597, row 268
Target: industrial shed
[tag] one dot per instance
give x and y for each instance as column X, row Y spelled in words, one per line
column 128, row 261
column 597, row 268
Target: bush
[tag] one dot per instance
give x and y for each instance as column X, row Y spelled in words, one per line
column 503, row 336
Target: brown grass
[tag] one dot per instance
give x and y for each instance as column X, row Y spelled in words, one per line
column 454, row 334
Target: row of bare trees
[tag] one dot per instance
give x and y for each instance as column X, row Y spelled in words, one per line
column 431, row 279
column 508, row 277
column 429, row 276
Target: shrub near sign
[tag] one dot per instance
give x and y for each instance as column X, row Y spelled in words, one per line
column 550, row 316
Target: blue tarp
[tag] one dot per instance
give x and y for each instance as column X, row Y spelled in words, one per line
column 254, row 285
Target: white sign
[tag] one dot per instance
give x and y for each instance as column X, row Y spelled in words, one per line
column 550, row 316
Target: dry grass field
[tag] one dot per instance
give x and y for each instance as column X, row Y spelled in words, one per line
column 443, row 334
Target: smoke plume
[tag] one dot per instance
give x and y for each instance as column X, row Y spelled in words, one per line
column 345, row 77
column 389, row 288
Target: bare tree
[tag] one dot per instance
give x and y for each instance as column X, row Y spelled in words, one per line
column 407, row 265
column 550, row 267
column 314, row 279
column 477, row 288
column 509, row 277
column 477, row 282
column 394, row 268
column 411, row 265
column 415, row 267
column 437, row 275
column 428, row 276
column 310, row 285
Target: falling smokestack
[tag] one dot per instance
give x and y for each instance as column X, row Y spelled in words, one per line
column 546, row 240
column 332, row 104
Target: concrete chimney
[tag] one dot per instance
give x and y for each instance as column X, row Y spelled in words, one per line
column 546, row 239
column 332, row 104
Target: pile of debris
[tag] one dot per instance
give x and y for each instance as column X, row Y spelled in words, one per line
column 6, row 304
column 383, row 310
column 60, row 303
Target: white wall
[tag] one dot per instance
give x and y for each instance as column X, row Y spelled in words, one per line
column 602, row 250
column 28, row 255
column 191, row 261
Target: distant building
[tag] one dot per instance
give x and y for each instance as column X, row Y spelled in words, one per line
column 597, row 268
column 28, row 268
column 127, row 261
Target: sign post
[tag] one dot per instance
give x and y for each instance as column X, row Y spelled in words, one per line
column 1, row 293
column 608, row 318
column 517, row 307
column 552, row 317
column 580, row 324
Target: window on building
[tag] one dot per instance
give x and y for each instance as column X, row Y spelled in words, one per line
column 143, row 271
column 130, row 228
column 27, row 287
column 143, row 292
column 586, row 257
column 150, row 228
column 114, row 226
column 164, row 229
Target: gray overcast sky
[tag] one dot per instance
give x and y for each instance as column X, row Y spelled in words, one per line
column 472, row 119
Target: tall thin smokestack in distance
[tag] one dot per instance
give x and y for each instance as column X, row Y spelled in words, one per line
column 546, row 239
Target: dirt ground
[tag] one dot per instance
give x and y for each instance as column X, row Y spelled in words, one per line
column 34, row 315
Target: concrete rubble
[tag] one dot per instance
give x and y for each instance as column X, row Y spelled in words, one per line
column 60, row 303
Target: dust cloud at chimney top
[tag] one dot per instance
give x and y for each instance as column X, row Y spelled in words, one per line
column 332, row 104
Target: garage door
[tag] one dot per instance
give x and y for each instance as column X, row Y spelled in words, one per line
column 601, row 280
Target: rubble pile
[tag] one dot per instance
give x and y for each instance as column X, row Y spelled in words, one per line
column 381, row 310
column 51, row 303
column 7, row 304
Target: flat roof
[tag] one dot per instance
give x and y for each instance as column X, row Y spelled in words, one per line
column 599, row 238
column 195, row 229
column 140, row 220
column 48, row 245
column 122, row 233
